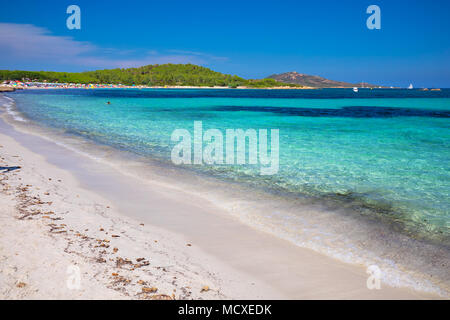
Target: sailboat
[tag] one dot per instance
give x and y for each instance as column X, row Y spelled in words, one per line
column 410, row 86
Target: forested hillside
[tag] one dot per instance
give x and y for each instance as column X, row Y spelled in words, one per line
column 151, row 75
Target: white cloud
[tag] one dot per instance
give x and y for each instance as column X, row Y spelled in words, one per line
column 26, row 44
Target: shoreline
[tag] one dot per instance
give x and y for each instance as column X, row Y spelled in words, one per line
column 314, row 279
column 8, row 88
column 62, row 225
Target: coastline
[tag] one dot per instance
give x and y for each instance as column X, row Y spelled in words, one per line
column 311, row 275
column 11, row 89
column 50, row 223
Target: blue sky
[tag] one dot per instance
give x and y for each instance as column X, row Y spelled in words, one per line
column 252, row 39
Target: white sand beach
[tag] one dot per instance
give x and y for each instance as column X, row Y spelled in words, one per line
column 143, row 239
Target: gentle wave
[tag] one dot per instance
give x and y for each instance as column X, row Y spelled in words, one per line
column 11, row 109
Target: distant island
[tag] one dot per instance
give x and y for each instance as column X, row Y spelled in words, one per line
column 316, row 81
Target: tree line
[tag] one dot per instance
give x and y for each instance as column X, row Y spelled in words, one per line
column 151, row 75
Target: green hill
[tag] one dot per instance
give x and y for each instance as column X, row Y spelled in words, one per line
column 151, row 75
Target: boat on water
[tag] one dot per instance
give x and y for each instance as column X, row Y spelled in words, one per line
column 410, row 86
column 355, row 89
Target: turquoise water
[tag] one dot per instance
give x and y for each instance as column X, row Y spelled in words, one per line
column 381, row 152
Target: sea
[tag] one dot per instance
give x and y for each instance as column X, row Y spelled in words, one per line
column 363, row 176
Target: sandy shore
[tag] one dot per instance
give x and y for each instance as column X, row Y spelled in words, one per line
column 133, row 239
column 50, row 224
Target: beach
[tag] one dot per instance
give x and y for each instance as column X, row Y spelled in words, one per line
column 50, row 223
column 155, row 151
column 65, row 230
column 47, row 86
column 135, row 238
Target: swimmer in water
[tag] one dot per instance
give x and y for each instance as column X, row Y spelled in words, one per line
column 108, row 102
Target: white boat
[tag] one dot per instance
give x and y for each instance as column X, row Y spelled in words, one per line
column 355, row 89
column 410, row 86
